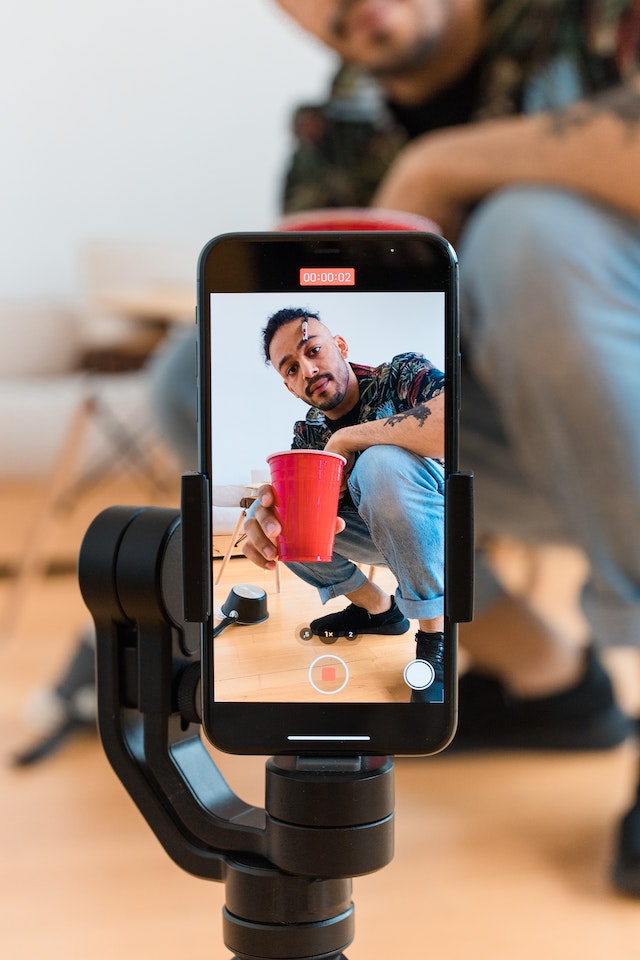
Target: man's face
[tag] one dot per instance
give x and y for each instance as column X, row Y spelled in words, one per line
column 385, row 37
column 315, row 369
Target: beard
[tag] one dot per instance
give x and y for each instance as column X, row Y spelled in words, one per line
column 337, row 383
column 387, row 55
column 324, row 403
column 399, row 65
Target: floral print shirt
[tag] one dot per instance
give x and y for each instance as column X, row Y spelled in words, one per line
column 343, row 147
column 406, row 381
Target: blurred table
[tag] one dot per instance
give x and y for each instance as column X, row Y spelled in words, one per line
column 149, row 311
column 153, row 303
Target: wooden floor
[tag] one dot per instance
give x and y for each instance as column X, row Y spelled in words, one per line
column 496, row 857
column 272, row 662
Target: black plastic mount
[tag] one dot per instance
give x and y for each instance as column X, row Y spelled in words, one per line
column 287, row 867
column 460, row 547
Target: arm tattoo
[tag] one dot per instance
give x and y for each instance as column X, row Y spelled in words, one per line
column 419, row 413
column 622, row 103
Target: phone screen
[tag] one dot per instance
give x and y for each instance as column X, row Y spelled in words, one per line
column 365, row 330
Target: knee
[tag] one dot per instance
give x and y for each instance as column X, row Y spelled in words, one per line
column 519, row 230
column 172, row 376
column 173, row 396
column 526, row 263
column 388, row 477
column 376, row 472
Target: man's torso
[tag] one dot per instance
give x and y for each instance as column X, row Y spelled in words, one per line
column 538, row 54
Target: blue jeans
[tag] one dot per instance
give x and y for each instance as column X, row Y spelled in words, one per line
column 550, row 312
column 173, row 398
column 398, row 520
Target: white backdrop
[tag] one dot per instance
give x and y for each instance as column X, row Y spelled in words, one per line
column 140, row 120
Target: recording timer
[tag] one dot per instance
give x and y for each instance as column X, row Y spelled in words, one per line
column 327, row 277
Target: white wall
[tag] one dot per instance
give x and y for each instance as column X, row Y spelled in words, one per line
column 140, row 119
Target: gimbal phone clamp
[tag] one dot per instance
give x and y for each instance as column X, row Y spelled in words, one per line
column 287, row 868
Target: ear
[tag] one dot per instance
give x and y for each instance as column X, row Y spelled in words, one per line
column 342, row 346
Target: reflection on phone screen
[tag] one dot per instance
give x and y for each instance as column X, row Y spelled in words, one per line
column 393, row 341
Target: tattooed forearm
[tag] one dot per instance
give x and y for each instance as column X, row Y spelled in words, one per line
column 621, row 103
column 419, row 413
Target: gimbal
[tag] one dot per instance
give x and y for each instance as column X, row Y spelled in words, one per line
column 287, row 868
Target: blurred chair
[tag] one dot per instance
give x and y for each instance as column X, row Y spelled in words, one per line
column 89, row 362
column 131, row 294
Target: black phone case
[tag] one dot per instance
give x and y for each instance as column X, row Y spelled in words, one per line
column 385, row 262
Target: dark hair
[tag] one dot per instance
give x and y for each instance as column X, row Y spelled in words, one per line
column 279, row 319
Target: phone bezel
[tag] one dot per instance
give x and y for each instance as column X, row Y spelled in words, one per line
column 270, row 262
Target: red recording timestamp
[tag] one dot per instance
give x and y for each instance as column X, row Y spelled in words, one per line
column 327, row 277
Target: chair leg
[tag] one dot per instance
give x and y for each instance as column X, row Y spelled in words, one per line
column 232, row 544
column 29, row 566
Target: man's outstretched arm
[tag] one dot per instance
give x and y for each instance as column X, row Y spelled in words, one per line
column 592, row 147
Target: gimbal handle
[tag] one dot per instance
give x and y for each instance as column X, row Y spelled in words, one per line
column 287, row 867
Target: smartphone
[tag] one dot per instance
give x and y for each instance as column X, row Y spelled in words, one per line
column 381, row 309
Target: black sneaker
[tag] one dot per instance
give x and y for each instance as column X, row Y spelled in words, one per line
column 582, row 718
column 626, row 865
column 430, row 647
column 354, row 620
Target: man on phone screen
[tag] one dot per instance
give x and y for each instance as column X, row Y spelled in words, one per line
column 388, row 423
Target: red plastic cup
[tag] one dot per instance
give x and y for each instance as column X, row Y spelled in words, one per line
column 356, row 218
column 306, row 488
